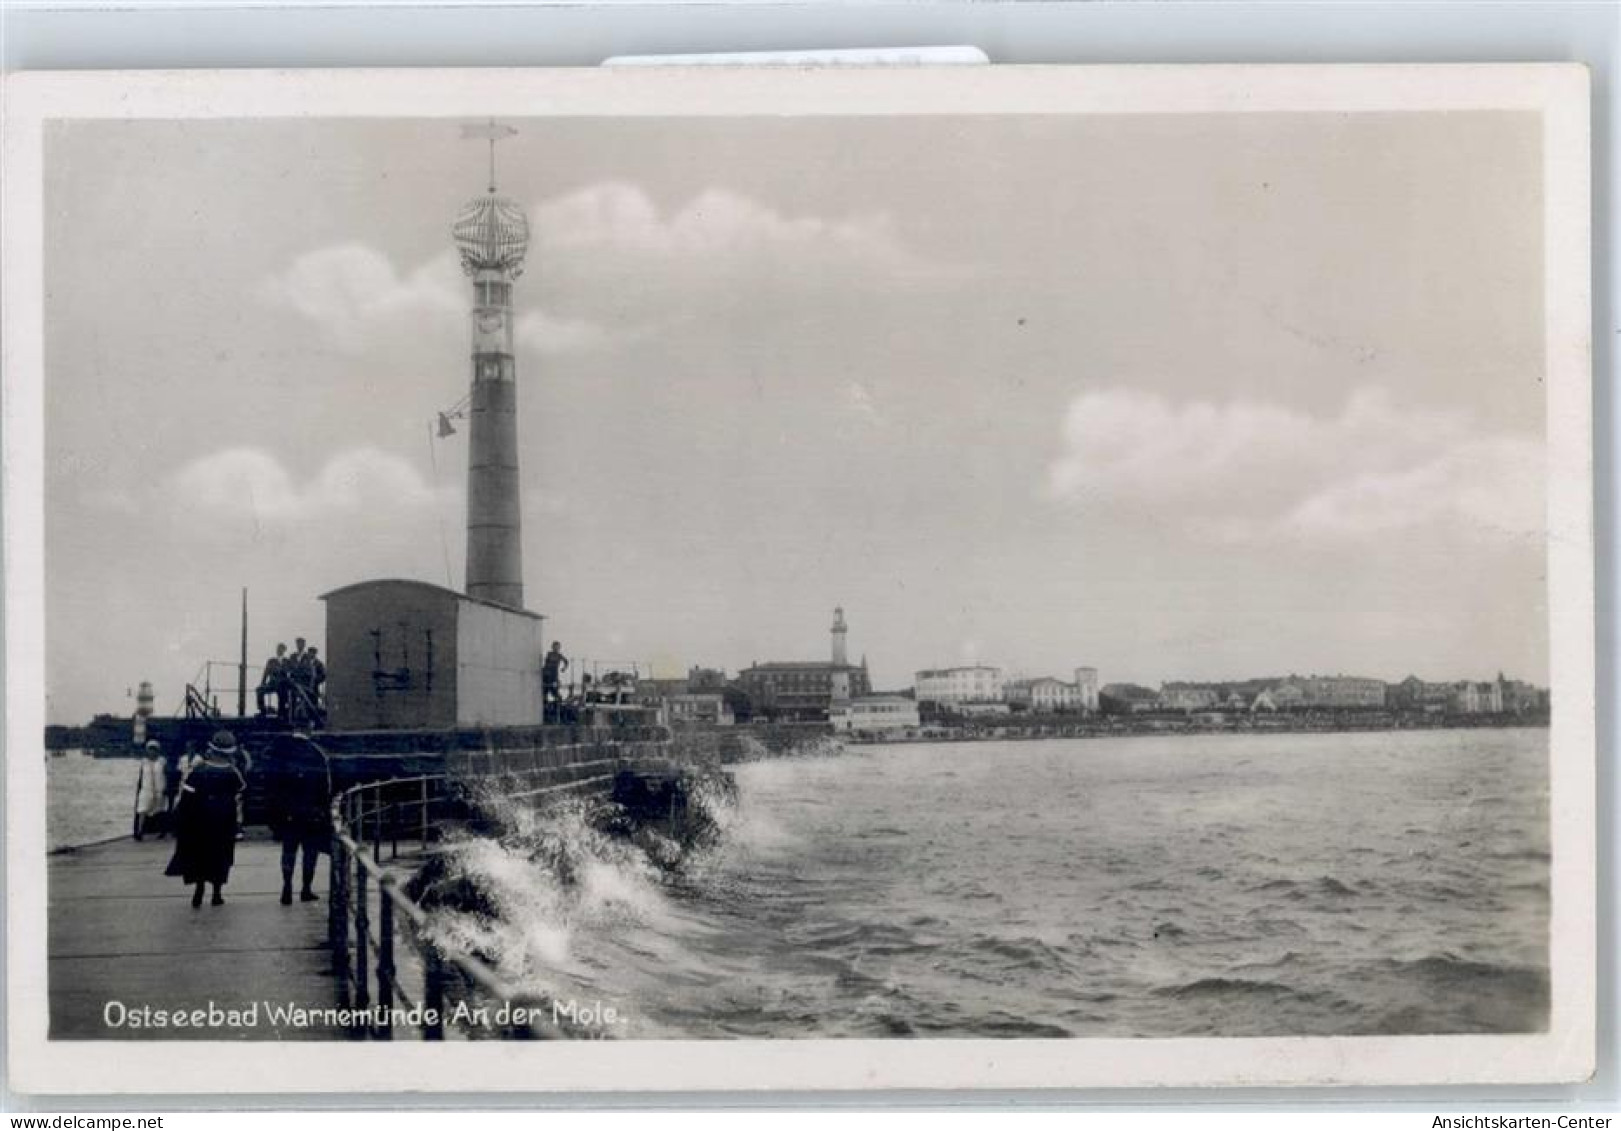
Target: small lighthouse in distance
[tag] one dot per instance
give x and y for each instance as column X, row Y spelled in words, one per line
column 839, row 670
column 840, row 653
column 492, row 236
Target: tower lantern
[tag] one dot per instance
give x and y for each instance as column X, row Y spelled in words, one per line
column 492, row 236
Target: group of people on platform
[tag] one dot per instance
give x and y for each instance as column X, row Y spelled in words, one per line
column 200, row 799
column 297, row 683
column 614, row 688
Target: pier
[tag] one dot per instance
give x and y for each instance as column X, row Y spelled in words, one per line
column 119, row 930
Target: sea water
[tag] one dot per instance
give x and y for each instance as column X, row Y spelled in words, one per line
column 1379, row 882
column 88, row 799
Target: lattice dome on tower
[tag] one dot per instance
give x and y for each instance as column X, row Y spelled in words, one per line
column 492, row 234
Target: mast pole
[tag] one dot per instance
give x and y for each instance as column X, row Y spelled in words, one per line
column 242, row 663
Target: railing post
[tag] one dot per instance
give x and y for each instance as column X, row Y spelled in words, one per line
column 339, row 917
column 385, row 956
column 424, row 814
column 433, row 991
column 362, row 940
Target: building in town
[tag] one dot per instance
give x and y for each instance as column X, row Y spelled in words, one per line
column 1519, row 697
column 804, row 690
column 1285, row 696
column 1473, row 697
column 1335, row 691
column 955, row 688
column 1086, row 689
column 1414, row 694
column 873, row 713
column 1187, row 697
column 698, row 708
column 1127, row 699
column 1049, row 694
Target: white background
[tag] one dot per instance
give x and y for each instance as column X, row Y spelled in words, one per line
column 140, row 35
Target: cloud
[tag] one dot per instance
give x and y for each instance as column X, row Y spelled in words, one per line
column 1246, row 470
column 550, row 334
column 716, row 227
column 353, row 292
column 359, row 299
column 611, row 267
column 235, row 481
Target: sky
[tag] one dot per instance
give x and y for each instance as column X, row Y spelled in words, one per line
column 1175, row 397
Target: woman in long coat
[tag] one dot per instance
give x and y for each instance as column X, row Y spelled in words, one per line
column 205, row 819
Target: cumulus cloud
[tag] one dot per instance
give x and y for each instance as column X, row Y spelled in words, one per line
column 235, row 481
column 618, row 267
column 551, row 334
column 358, row 298
column 1253, row 470
column 353, row 292
column 716, row 226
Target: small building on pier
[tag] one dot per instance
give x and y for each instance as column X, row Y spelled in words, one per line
column 410, row 655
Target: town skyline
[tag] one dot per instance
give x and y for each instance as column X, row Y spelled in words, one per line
column 766, row 368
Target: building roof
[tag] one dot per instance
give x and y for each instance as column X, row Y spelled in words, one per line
column 440, row 590
column 799, row 665
column 953, row 671
column 1129, row 691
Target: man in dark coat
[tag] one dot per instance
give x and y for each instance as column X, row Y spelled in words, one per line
column 298, row 799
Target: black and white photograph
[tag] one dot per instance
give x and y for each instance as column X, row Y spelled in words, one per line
column 1002, row 574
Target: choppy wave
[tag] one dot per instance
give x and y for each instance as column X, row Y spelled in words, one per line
column 1042, row 889
column 525, row 890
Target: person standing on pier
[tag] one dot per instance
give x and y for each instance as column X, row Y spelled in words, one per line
column 174, row 768
column 299, row 802
column 206, row 819
column 551, row 676
column 150, row 789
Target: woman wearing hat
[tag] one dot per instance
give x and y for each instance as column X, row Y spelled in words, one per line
column 150, row 787
column 206, row 819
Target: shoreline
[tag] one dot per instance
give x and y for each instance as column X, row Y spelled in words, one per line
column 1173, row 728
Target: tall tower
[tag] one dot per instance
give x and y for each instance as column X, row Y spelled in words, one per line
column 492, row 235
column 840, row 656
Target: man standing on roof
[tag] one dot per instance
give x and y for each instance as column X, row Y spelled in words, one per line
column 271, row 682
column 551, row 675
column 315, row 677
column 296, row 671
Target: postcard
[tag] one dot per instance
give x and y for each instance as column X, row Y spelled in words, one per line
column 687, row 579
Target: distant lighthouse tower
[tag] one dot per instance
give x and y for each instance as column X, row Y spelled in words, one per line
column 839, row 676
column 492, row 235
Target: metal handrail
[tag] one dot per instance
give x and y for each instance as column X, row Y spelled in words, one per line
column 362, row 955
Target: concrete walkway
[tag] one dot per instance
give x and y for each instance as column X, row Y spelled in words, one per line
column 122, row 932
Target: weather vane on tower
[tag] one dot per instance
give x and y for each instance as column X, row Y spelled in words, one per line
column 492, row 132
